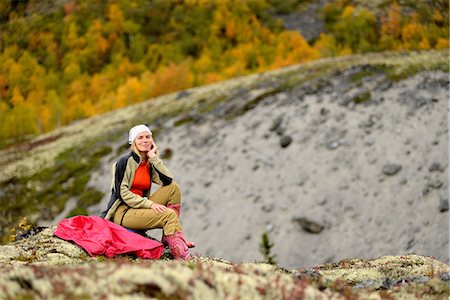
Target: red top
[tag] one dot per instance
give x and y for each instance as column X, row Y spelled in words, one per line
column 141, row 181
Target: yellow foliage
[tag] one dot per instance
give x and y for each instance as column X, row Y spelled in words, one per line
column 345, row 51
column 437, row 16
column 17, row 98
column 348, row 11
column 197, row 2
column 45, row 118
column 236, row 69
column 116, row 17
column 36, row 97
column 22, row 227
column 204, row 63
column 130, row 92
column 98, row 85
column 16, row 76
column 76, row 87
column 20, row 120
column 424, row 44
column 326, row 45
column 443, row 43
column 55, row 104
column 412, row 35
column 89, row 109
column 72, row 39
column 293, row 48
column 71, row 72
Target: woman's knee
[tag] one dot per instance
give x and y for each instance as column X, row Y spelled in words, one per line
column 175, row 192
column 175, row 187
column 171, row 215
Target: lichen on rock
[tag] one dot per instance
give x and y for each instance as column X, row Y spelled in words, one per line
column 42, row 248
column 44, row 266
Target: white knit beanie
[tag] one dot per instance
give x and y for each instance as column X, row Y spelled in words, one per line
column 136, row 130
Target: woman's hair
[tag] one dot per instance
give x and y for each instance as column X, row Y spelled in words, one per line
column 134, row 148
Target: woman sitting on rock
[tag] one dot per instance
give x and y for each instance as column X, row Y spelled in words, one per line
column 131, row 204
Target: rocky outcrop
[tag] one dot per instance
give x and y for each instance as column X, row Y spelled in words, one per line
column 44, row 267
column 42, row 249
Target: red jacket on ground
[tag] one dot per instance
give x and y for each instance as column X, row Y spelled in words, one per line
column 99, row 236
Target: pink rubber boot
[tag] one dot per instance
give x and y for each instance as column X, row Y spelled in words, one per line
column 176, row 208
column 177, row 245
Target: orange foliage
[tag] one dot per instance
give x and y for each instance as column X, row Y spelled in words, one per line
column 172, row 78
column 212, row 77
column 45, row 115
column 125, row 68
column 3, row 88
column 391, row 25
column 412, row 35
column 129, row 93
column 17, row 98
column 293, row 48
column 69, row 8
column 101, row 44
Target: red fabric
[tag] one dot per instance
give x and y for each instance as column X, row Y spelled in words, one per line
column 141, row 181
column 99, row 236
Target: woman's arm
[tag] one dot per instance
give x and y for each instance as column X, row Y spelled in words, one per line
column 163, row 175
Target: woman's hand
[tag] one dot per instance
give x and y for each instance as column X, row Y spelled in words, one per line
column 158, row 208
column 153, row 150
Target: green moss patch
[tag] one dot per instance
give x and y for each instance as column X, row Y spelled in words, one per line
column 362, row 97
column 77, row 211
column 368, row 71
column 44, row 194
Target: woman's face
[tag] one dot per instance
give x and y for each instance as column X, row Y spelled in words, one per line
column 144, row 141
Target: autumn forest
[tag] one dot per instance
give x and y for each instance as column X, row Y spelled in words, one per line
column 75, row 59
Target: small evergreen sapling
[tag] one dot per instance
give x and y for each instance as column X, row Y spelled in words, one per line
column 265, row 247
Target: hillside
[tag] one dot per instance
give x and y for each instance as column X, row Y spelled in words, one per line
column 336, row 158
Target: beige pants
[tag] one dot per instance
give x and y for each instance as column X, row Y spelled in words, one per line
column 147, row 218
